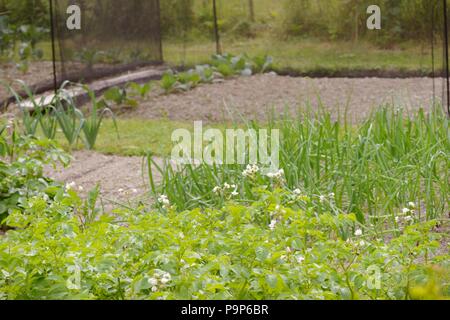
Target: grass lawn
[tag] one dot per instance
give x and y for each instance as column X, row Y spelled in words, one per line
column 310, row 56
column 136, row 137
column 304, row 56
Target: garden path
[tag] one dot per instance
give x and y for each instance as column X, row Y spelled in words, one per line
column 120, row 178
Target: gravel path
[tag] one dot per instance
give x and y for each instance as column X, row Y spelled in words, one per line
column 252, row 97
column 120, row 178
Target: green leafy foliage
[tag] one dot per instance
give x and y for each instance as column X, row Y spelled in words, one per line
column 140, row 90
column 222, row 66
column 61, row 112
column 29, row 35
column 71, row 121
column 56, row 253
column 128, row 95
column 93, row 122
column 89, row 57
column 21, row 39
column 168, row 82
column 21, row 169
column 49, row 123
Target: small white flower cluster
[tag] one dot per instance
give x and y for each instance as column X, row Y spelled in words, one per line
column 226, row 187
column 159, row 280
column 10, row 126
column 298, row 195
column 279, row 175
column 250, row 171
column 73, row 186
column 361, row 242
column 127, row 192
column 276, row 216
column 273, row 224
column 185, row 265
column 359, row 233
column 323, row 198
column 357, row 242
column 164, row 201
column 407, row 213
column 290, row 253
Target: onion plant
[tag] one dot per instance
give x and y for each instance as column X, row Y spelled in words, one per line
column 93, row 122
column 373, row 169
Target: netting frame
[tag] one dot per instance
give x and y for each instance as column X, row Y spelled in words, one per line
column 59, row 74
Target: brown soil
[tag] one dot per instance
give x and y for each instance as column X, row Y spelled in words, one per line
column 253, row 97
column 39, row 71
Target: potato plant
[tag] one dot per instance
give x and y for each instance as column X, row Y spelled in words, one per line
column 22, row 159
column 237, row 252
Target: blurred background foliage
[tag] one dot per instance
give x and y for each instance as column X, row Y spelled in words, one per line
column 402, row 20
column 302, row 35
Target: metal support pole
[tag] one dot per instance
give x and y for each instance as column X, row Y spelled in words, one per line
column 216, row 29
column 52, row 26
column 158, row 8
column 446, row 42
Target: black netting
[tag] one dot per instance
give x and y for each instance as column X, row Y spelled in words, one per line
column 115, row 36
column 188, row 31
column 304, row 37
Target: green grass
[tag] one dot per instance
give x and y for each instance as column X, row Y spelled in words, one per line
column 309, row 56
column 136, row 137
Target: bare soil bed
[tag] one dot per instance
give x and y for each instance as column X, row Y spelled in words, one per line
column 253, row 97
column 38, row 72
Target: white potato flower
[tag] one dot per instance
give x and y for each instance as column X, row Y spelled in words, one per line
column 71, row 186
column 251, row 170
column 272, row 224
column 164, row 200
column 153, row 282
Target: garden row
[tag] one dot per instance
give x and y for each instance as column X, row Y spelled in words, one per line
column 60, row 246
column 61, row 112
